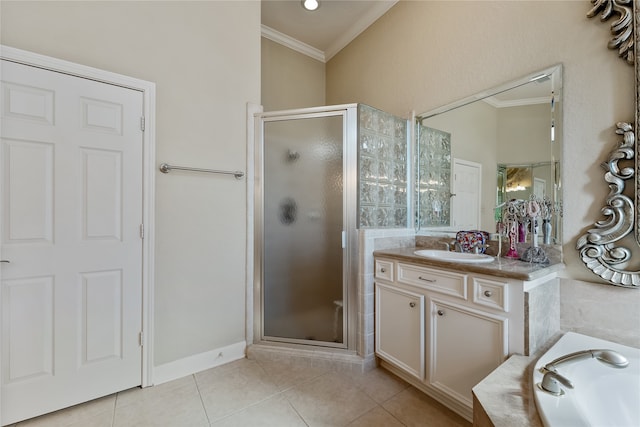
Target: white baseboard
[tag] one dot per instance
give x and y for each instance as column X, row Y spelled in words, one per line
column 198, row 362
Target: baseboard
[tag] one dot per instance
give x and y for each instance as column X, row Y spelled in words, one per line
column 198, row 362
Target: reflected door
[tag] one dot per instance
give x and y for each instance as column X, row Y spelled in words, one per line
column 303, row 281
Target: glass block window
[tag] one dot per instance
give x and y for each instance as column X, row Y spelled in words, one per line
column 433, row 202
column 382, row 164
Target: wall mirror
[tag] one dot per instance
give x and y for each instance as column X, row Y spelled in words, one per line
column 607, row 249
column 473, row 154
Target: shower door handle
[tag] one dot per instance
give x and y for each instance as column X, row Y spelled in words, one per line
column 344, row 239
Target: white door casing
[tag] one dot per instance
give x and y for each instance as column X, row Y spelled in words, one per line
column 465, row 203
column 75, row 191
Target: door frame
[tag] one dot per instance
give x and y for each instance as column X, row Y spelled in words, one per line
column 148, row 90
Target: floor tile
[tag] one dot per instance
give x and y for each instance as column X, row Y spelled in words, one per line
column 98, row 412
column 273, row 412
column 286, row 374
column 378, row 384
column 263, row 393
column 329, row 400
column 376, row 417
column 415, row 409
column 238, row 385
column 176, row 403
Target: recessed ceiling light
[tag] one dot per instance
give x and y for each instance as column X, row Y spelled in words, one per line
column 310, row 4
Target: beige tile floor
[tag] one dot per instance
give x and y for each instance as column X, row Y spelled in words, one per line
column 250, row 393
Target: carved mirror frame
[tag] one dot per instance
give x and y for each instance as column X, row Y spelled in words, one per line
column 599, row 248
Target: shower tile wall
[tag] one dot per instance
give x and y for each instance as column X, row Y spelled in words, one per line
column 434, row 177
column 382, row 162
column 369, row 241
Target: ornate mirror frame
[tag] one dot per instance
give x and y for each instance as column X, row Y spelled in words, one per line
column 599, row 248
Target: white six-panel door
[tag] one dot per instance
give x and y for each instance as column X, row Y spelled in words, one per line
column 467, row 185
column 71, row 210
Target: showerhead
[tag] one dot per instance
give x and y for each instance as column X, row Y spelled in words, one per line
column 611, row 358
column 608, row 357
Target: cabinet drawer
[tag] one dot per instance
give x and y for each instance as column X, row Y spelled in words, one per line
column 441, row 281
column 384, row 270
column 491, row 294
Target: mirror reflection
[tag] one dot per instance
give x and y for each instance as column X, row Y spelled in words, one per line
column 495, row 146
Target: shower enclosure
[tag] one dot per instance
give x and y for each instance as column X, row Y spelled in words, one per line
column 320, row 174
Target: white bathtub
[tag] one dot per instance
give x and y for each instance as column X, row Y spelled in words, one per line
column 602, row 396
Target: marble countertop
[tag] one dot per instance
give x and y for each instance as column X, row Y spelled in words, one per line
column 500, row 267
column 505, row 397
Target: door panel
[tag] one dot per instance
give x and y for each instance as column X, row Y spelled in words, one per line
column 71, row 214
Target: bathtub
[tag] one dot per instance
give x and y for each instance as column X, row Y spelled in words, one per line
column 602, row 396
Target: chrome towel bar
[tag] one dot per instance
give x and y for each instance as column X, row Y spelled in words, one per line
column 166, row 168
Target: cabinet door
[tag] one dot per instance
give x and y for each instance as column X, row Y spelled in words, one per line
column 400, row 328
column 465, row 346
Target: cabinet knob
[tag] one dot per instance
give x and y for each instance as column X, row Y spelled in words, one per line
column 383, row 270
column 488, row 293
column 412, row 304
column 440, row 312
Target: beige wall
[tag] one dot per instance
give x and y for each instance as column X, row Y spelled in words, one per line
column 424, row 54
column 205, row 60
column 290, row 79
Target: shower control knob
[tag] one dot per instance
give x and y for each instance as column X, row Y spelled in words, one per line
column 412, row 304
column 440, row 312
column 488, row 293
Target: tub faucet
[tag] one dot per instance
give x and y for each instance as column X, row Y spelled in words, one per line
column 552, row 379
column 551, row 383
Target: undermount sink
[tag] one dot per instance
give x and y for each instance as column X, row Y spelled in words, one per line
column 448, row 256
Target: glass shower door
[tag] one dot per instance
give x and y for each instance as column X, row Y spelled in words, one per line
column 303, row 285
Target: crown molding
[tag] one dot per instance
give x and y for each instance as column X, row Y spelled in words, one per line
column 291, row 43
column 365, row 21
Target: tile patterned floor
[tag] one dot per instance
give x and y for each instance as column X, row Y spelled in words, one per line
column 250, row 393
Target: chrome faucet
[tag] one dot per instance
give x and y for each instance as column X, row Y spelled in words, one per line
column 552, row 379
column 478, row 246
column 457, row 247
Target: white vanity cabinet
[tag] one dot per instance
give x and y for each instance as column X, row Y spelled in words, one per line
column 443, row 330
column 400, row 328
column 465, row 345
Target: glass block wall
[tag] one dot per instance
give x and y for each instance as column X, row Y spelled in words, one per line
column 433, row 202
column 382, row 163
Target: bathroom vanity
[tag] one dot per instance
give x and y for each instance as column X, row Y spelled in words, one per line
column 443, row 326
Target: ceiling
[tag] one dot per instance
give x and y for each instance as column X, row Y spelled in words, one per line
column 323, row 32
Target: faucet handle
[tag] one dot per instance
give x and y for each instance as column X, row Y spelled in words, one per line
column 551, row 383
